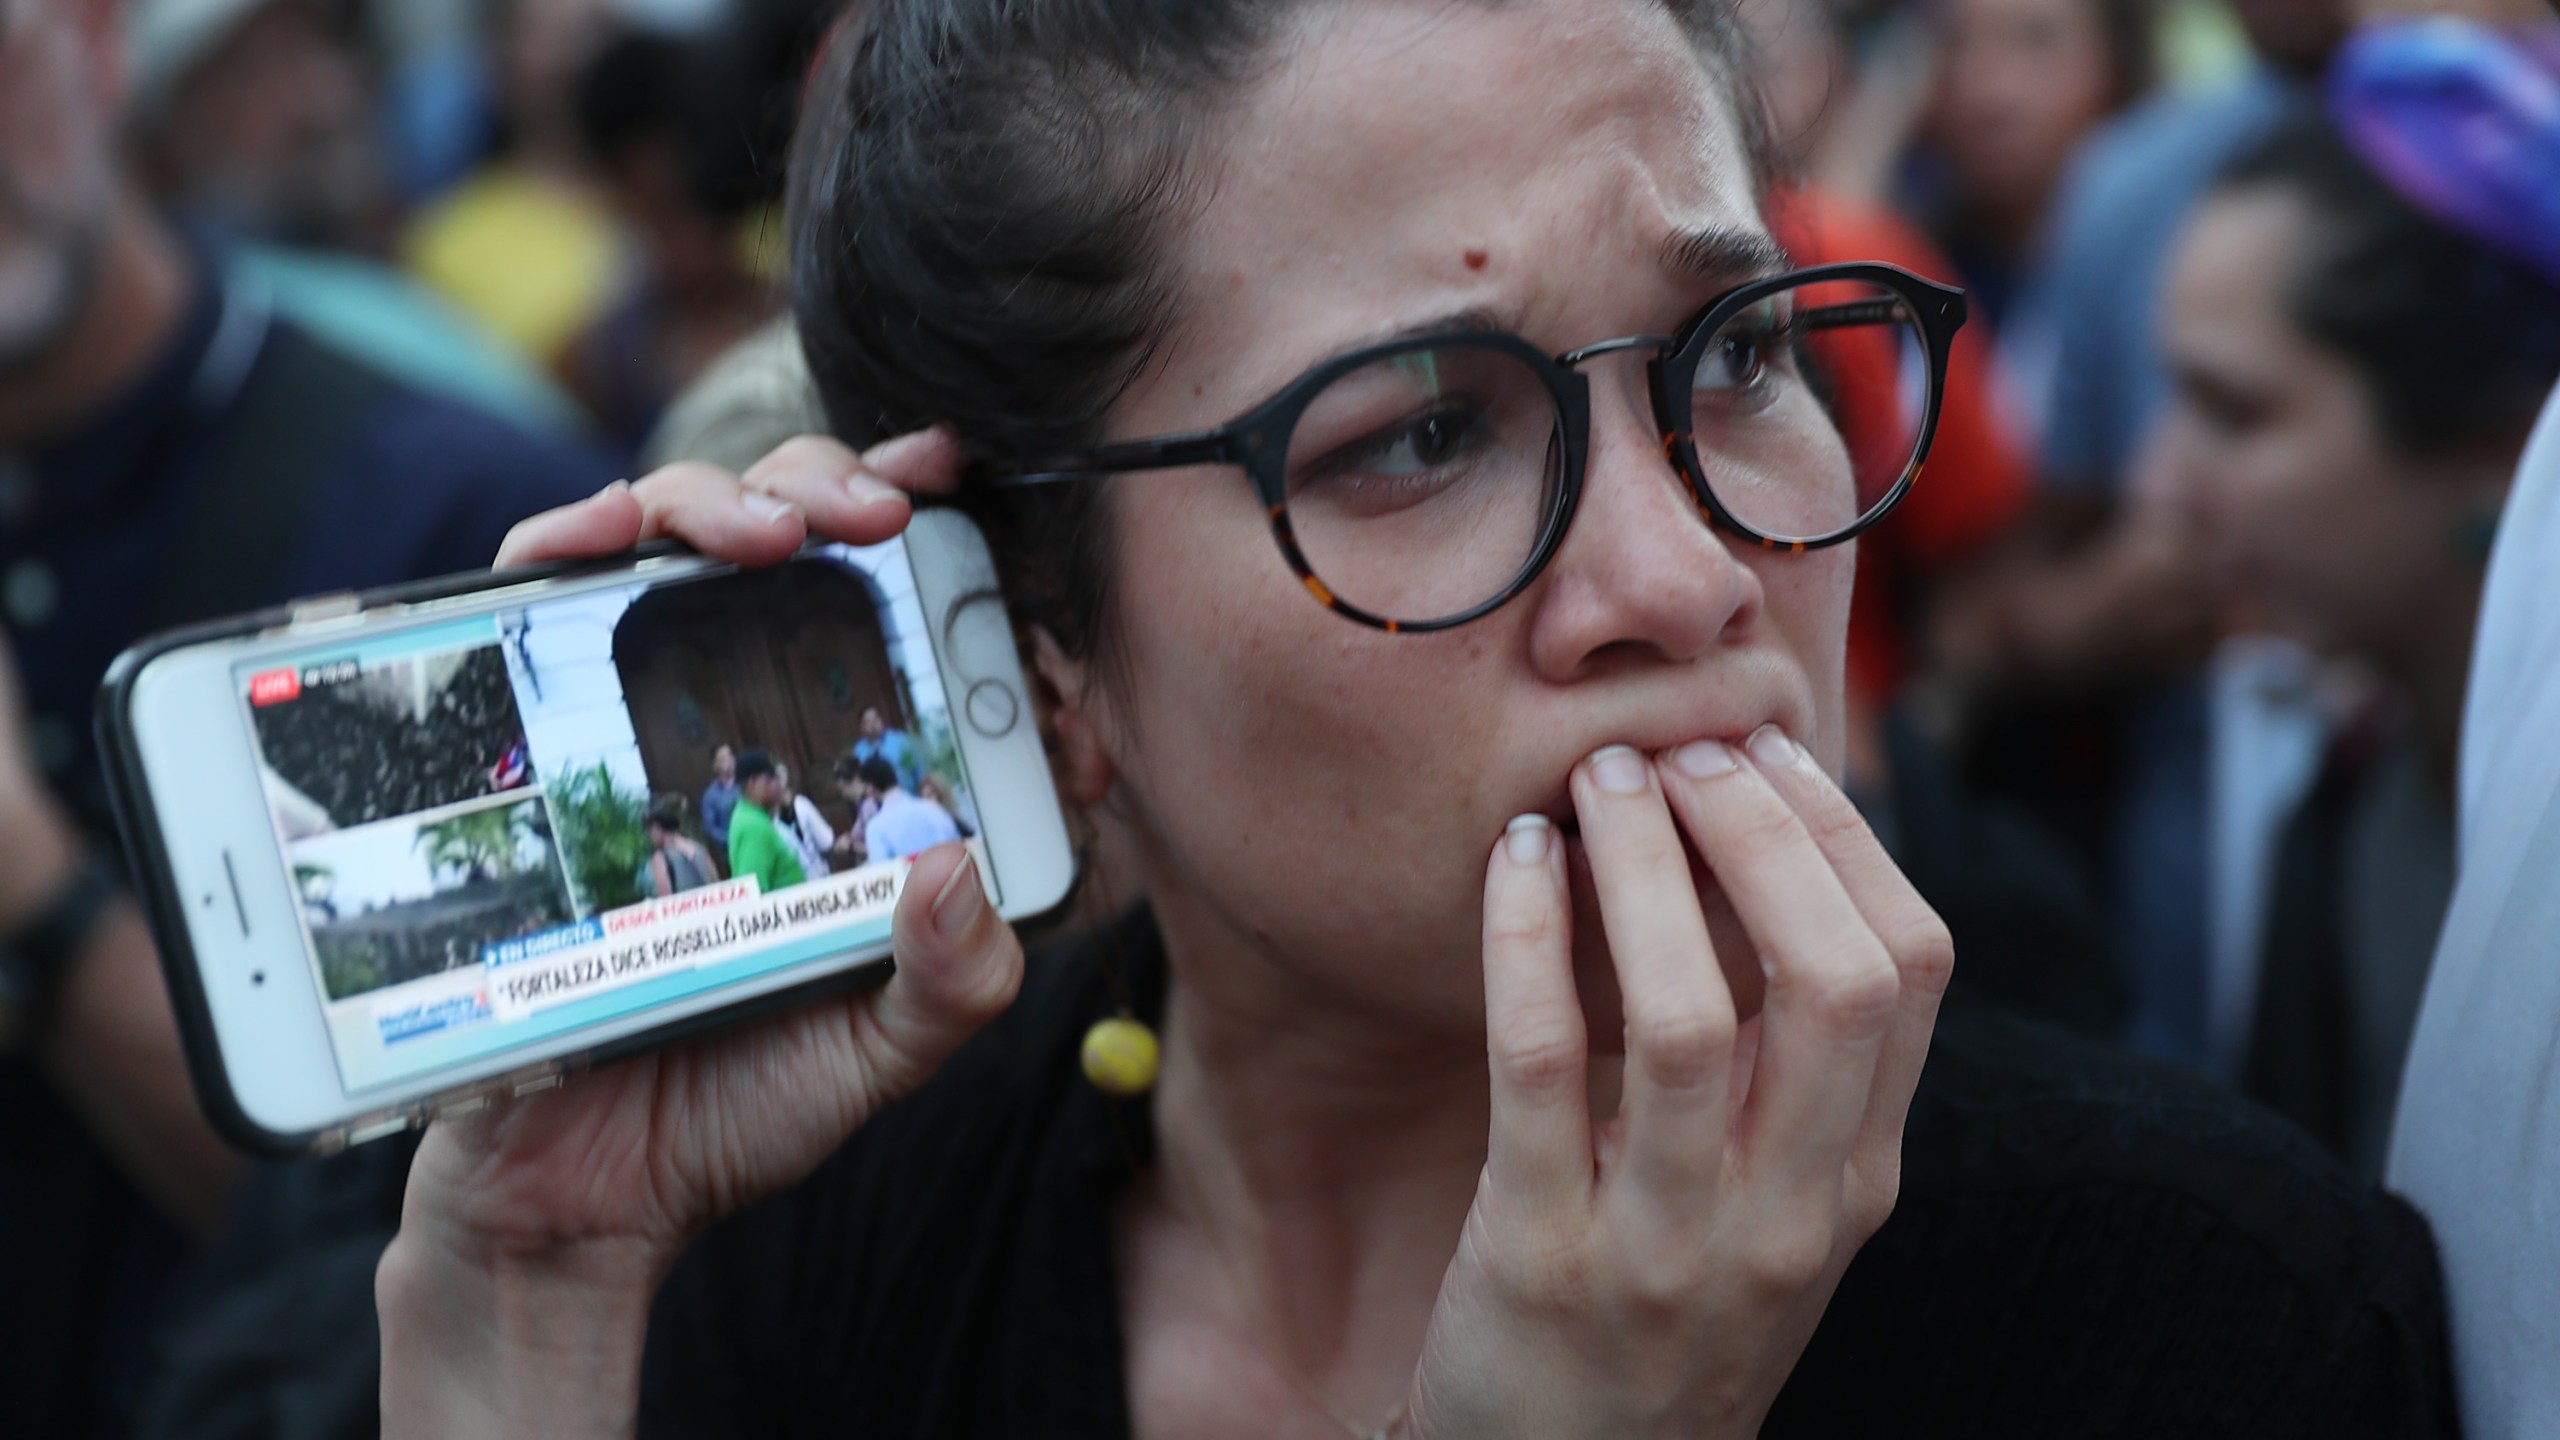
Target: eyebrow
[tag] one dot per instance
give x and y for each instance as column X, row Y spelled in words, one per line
column 1725, row 254
column 1456, row 322
column 1474, row 318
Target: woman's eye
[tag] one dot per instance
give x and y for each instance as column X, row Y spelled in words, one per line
column 1732, row 362
column 1742, row 359
column 1409, row 460
column 1427, row 443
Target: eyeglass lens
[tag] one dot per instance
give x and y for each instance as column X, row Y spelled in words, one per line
column 1419, row 485
column 1807, row 408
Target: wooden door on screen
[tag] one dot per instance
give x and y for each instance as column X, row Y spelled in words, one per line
column 785, row 660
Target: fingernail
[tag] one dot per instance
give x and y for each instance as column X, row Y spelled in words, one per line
column 894, row 454
column 1619, row 770
column 618, row 487
column 1526, row 838
column 868, row 489
column 766, row 508
column 1771, row 748
column 957, row 907
column 1703, row 759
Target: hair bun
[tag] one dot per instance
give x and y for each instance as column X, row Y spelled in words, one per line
column 2464, row 121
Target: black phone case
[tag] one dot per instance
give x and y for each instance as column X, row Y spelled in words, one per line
column 146, row 853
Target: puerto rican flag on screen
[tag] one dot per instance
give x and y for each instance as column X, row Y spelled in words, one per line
column 513, row 769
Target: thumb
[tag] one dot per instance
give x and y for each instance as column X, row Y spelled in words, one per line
column 959, row 966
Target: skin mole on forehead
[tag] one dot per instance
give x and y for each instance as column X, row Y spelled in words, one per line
column 1477, row 255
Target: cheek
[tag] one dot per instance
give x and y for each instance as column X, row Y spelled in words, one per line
column 1331, row 793
column 2306, row 515
column 2072, row 95
column 1310, row 780
column 2271, row 510
column 1808, row 607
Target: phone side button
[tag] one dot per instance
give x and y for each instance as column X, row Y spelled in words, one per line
column 320, row 609
column 391, row 1125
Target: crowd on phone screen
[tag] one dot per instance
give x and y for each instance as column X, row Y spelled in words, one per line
column 888, row 806
column 2172, row 651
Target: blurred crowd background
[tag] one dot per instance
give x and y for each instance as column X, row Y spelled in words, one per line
column 2157, row 678
column 560, row 209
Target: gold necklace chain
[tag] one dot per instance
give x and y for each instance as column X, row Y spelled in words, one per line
column 1257, row 1324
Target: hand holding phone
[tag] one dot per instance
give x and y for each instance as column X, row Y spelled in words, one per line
column 809, row 485
column 558, row 1212
column 410, row 850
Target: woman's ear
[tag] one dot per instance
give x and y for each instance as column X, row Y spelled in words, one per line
column 1069, row 699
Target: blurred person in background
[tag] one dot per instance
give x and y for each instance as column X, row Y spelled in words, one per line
column 170, row 450
column 2034, row 939
column 1980, row 482
column 2356, row 379
column 253, row 123
column 524, row 243
column 742, row 406
column 2085, row 648
column 2120, row 209
column 686, row 130
column 2020, row 85
column 254, row 118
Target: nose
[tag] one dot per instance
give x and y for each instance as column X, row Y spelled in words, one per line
column 1641, row 578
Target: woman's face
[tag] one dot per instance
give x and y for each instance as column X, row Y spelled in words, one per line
column 2336, row 531
column 1326, row 795
column 2019, row 84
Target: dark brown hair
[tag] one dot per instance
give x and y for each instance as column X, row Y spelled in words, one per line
column 2457, row 344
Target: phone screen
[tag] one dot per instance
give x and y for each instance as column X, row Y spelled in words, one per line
column 507, row 827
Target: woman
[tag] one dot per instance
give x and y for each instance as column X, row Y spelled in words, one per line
column 801, row 824
column 677, row 862
column 2021, row 84
column 1372, row 860
column 860, row 798
column 2363, row 332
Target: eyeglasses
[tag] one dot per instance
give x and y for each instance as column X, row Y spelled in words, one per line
column 1422, row 483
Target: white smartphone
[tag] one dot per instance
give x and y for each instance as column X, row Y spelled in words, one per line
column 405, row 851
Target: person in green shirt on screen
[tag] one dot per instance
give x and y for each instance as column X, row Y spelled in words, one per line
column 755, row 846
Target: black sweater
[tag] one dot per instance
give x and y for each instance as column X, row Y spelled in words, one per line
column 2086, row 1245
